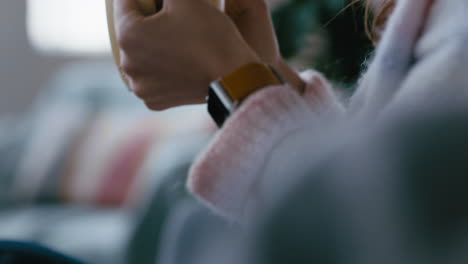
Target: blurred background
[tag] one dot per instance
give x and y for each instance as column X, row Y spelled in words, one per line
column 85, row 168
column 39, row 38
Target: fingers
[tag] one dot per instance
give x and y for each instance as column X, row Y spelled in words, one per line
column 394, row 55
column 130, row 23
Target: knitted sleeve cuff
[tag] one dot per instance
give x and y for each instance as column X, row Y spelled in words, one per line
column 224, row 174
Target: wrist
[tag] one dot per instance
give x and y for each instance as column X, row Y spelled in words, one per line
column 289, row 75
column 233, row 61
column 228, row 92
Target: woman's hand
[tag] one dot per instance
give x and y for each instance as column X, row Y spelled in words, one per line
column 171, row 57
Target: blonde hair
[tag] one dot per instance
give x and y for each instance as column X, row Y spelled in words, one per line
column 376, row 24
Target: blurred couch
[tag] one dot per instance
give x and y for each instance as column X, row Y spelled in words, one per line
column 91, row 172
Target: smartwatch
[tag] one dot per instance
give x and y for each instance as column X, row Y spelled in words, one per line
column 228, row 92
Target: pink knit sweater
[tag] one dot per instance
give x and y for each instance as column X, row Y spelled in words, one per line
column 259, row 143
column 229, row 173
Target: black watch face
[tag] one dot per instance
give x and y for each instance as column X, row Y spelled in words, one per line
column 217, row 110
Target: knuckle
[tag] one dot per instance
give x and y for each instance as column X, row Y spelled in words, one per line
column 150, row 105
column 129, row 67
column 139, row 91
column 126, row 41
column 126, row 36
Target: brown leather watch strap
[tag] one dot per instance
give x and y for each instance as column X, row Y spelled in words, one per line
column 249, row 78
